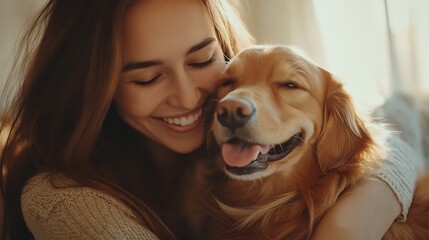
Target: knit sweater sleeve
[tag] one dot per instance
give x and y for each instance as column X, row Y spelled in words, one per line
column 77, row 213
column 398, row 171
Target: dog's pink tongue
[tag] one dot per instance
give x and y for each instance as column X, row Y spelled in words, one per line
column 240, row 155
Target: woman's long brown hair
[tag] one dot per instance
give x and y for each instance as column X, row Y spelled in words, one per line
column 62, row 119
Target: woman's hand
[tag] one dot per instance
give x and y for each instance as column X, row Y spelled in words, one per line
column 365, row 211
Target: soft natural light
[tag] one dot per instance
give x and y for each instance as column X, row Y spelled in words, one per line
column 371, row 59
column 355, row 45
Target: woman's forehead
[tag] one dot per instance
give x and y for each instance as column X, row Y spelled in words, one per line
column 168, row 26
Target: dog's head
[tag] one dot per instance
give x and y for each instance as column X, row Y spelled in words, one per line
column 275, row 106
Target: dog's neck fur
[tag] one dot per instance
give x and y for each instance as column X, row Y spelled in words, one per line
column 256, row 205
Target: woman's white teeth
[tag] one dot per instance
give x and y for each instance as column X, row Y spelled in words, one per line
column 185, row 120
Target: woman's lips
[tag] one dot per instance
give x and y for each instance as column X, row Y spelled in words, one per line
column 183, row 123
column 185, row 120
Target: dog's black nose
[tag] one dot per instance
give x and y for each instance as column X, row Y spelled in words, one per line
column 234, row 112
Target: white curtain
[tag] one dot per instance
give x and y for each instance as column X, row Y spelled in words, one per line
column 376, row 47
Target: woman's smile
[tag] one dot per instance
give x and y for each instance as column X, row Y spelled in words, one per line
column 185, row 122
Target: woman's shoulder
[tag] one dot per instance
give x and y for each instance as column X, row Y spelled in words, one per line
column 52, row 203
column 46, row 191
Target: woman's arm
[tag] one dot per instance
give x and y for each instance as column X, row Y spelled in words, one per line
column 364, row 212
column 368, row 209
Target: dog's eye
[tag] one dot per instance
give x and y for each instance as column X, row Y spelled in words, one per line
column 227, row 82
column 289, row 85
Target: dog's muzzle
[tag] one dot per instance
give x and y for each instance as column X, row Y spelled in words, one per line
column 276, row 152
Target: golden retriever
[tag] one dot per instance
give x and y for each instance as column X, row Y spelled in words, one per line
column 292, row 143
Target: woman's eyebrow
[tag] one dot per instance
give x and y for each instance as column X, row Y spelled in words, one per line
column 146, row 64
column 200, row 45
column 137, row 65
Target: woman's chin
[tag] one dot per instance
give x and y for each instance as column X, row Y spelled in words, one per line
column 185, row 146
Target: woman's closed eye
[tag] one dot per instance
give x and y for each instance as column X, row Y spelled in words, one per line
column 202, row 64
column 147, row 83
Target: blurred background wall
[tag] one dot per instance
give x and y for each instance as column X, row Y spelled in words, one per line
column 14, row 15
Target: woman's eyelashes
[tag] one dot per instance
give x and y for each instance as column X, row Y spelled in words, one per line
column 147, row 83
column 202, row 64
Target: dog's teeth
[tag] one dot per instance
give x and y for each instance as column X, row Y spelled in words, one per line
column 262, row 158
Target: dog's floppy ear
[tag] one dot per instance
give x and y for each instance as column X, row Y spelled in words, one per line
column 343, row 133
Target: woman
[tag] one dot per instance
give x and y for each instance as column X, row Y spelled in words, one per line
column 110, row 115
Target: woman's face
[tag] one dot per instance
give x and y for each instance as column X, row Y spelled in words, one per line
column 172, row 61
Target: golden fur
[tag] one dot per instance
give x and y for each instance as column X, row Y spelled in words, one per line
column 287, row 199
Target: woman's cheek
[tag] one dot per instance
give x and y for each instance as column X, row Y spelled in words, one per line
column 215, row 76
column 136, row 102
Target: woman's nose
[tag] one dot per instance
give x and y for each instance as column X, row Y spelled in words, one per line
column 185, row 92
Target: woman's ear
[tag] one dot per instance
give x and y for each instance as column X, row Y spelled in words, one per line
column 343, row 134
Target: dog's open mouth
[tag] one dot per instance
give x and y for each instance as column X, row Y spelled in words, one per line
column 243, row 158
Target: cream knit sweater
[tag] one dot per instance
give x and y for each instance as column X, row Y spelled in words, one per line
column 76, row 212
column 85, row 213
